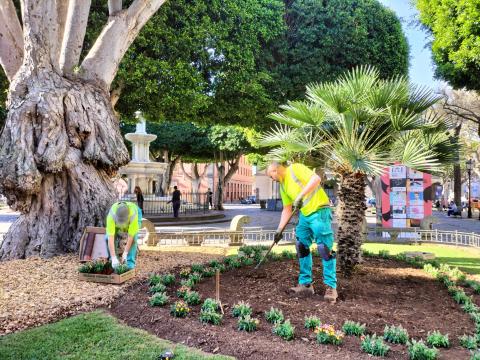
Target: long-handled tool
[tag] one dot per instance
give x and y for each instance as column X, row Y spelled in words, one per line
column 295, row 210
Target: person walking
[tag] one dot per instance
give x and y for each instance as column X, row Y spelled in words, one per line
column 210, row 197
column 300, row 188
column 175, row 201
column 139, row 194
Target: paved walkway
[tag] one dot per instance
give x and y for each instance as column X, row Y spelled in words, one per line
column 269, row 220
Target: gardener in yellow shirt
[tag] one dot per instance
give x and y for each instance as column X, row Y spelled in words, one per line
column 300, row 187
column 123, row 223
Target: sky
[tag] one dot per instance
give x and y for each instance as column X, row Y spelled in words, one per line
column 421, row 65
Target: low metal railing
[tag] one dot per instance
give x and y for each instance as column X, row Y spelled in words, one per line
column 159, row 205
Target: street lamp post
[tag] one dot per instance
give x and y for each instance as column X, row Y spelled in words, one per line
column 469, row 171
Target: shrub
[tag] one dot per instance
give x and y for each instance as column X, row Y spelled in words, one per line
column 197, row 268
column 192, row 298
column 274, row 315
column 154, row 279
column 158, row 299
column 210, row 305
column 419, row 351
column 312, row 322
column 385, row 254
column 468, row 342
column 353, row 328
column 212, row 317
column 159, row 288
column 401, row 257
column 395, row 334
column 208, row 272
column 182, row 291
column 245, row 261
column 434, row 263
column 374, row 345
column 247, row 323
column 236, row 264
column 475, row 317
column 367, row 254
column 437, row 339
column 180, row 309
column 167, row 279
column 429, row 269
column 185, row 273
column 229, row 260
column 452, row 290
column 241, row 309
column 246, row 250
column 326, row 334
column 285, row 330
column 188, row 283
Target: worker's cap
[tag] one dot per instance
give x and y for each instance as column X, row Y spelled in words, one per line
column 122, row 213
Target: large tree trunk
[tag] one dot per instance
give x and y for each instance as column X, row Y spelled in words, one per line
column 167, row 178
column 351, row 205
column 457, row 185
column 60, row 145
column 224, row 178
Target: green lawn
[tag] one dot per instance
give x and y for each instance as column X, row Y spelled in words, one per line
column 90, row 336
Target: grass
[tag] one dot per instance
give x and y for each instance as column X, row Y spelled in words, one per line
column 94, row 335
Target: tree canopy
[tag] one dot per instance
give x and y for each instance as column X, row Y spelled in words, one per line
column 455, row 29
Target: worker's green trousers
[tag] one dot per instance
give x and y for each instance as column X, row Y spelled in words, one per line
column 316, row 227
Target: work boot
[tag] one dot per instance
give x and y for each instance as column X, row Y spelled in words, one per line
column 330, row 295
column 304, row 290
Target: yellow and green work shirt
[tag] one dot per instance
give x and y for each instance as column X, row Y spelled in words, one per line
column 296, row 178
column 131, row 227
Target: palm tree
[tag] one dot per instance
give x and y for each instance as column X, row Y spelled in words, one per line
column 356, row 127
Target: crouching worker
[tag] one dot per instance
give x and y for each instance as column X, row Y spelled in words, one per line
column 300, row 188
column 123, row 223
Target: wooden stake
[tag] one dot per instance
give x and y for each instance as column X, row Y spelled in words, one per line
column 217, row 289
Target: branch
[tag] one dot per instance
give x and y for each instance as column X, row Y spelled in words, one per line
column 11, row 39
column 232, row 168
column 183, row 170
column 75, row 28
column 62, row 13
column 469, row 115
column 114, row 6
column 115, row 95
column 101, row 63
column 204, row 170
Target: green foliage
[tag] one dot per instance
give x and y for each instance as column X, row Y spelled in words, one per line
column 86, row 268
column 468, row 342
column 122, row 269
column 384, row 254
column 417, row 350
column 287, row 254
column 395, row 334
column 470, row 307
column 437, row 339
column 274, row 315
column 353, row 328
column 197, row 268
column 189, row 283
column 185, row 273
column 192, row 298
column 154, row 279
column 461, row 298
column 246, row 261
column 195, row 277
column 167, row 279
column 429, row 269
column 247, row 323
column 326, row 334
column 367, row 254
column 371, row 344
column 475, row 285
column 208, row 272
column 241, row 309
column 229, row 260
column 454, row 27
column 475, row 355
column 211, row 317
column 214, row 263
column 158, row 299
column 285, row 330
column 99, row 266
column 179, row 309
column 182, row 291
column 210, row 305
column 158, row 288
column 312, row 322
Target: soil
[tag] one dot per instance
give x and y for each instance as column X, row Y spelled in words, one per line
column 382, row 292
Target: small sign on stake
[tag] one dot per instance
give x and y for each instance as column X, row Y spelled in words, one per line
column 217, row 289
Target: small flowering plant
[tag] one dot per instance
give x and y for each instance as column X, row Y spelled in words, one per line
column 158, row 288
column 326, row 334
column 247, row 323
column 312, row 322
column 195, row 277
column 241, row 309
column 395, row 334
column 158, row 299
column 187, row 283
column 185, row 273
column 437, row 339
column 167, row 279
column 468, row 342
column 208, row 272
column 182, row 291
column 285, row 330
column 374, row 345
column 274, row 315
column 417, row 350
column 210, row 305
column 192, row 298
column 211, row 317
column 353, row 328
column 154, row 279
column 197, row 268
column 180, row 309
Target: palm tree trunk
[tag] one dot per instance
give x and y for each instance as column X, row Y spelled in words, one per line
column 351, row 205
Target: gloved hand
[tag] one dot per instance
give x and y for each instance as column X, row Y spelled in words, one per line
column 115, row 262
column 124, row 256
column 298, row 203
column 278, row 236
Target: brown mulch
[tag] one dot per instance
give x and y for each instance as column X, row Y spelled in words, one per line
column 36, row 291
column 383, row 292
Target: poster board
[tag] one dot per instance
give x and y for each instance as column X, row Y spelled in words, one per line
column 406, row 197
column 92, row 244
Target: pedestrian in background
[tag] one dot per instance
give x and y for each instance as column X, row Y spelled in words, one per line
column 139, row 194
column 175, row 201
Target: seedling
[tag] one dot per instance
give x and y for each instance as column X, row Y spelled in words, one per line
column 468, row 342
column 182, row 291
column 274, row 316
column 437, row 339
column 167, row 279
column 154, row 279
column 417, row 350
column 285, row 330
column 247, row 323
column 180, row 309
column 241, row 309
column 188, row 283
column 121, row 269
column 86, row 268
column 353, row 328
column 158, row 299
column 326, row 334
column 210, row 305
column 159, row 288
column 185, row 273
column 192, row 298
column 312, row 322
column 374, row 345
column 395, row 334
column 212, row 317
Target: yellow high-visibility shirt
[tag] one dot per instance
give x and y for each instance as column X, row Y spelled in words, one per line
column 131, row 227
column 296, row 177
